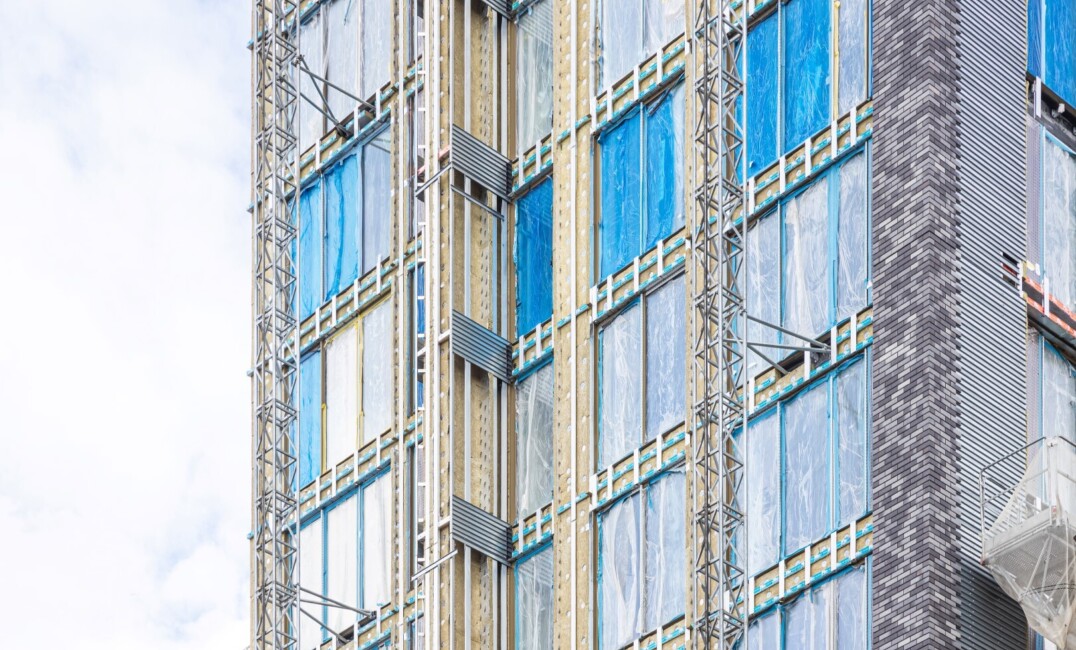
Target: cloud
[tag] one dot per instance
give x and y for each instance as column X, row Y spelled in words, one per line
column 124, row 276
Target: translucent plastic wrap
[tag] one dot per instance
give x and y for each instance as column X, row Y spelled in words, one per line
column 618, row 574
column 534, row 74
column 765, row 632
column 311, row 44
column 341, row 394
column 1061, row 48
column 1058, row 396
column 621, row 38
column 665, row 167
column 806, row 69
column 806, row 249
column 762, row 76
column 310, row 243
column 534, row 602
column 664, row 21
column 377, row 371
column 341, row 555
column 377, row 542
column 620, row 196
column 666, row 593
column 806, row 621
column 763, row 288
column 342, row 49
column 534, row 441
column 620, row 390
column 376, row 199
column 341, row 226
column 852, row 237
column 310, row 577
column 534, row 257
column 666, row 403
column 852, row 442
column 852, row 43
column 807, row 461
column 1029, row 548
column 1034, row 37
column 764, row 493
column 376, row 45
column 1059, row 224
column 309, row 418
column 852, row 608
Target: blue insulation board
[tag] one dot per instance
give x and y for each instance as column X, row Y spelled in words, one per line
column 762, row 78
column 1034, row 37
column 341, row 226
column 620, row 195
column 806, row 69
column 309, row 418
column 309, row 250
column 534, row 257
column 664, row 167
column 1060, row 73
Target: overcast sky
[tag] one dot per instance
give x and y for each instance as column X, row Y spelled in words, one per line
column 124, row 279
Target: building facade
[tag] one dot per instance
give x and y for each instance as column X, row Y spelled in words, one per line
column 497, row 298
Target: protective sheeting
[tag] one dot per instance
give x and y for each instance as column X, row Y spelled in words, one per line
column 1058, row 396
column 534, row 441
column 665, row 166
column 341, row 556
column 807, row 468
column 534, row 602
column 311, row 47
column 619, row 584
column 534, row 257
column 312, row 578
column 764, row 492
column 377, row 371
column 341, row 394
column 620, row 196
column 806, row 285
column 852, row 46
column 341, row 226
column 852, row 237
column 534, row 74
column 620, row 391
column 852, row 609
column 666, row 592
column 1034, row 37
column 377, row 542
column 806, row 621
column 763, row 277
column 1029, row 548
column 309, row 418
column 342, row 48
column 310, row 243
column 666, row 402
column 376, row 199
column 762, row 79
column 621, row 38
column 663, row 21
column 806, row 69
column 376, row 45
column 852, row 441
column 1060, row 74
column 1059, row 225
column 765, row 632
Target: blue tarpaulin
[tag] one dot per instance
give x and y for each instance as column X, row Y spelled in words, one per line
column 1034, row 37
column 341, row 226
column 806, row 73
column 309, row 418
column 309, row 250
column 1061, row 48
column 664, row 167
column 534, row 257
column 762, row 78
column 620, row 196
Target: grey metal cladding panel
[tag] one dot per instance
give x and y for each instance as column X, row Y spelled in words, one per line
column 991, row 316
column 481, row 347
column 503, row 7
column 480, row 530
column 480, row 162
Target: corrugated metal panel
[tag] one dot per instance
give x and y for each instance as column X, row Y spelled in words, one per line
column 503, row 7
column 480, row 162
column 481, row 531
column 991, row 316
column 481, row 347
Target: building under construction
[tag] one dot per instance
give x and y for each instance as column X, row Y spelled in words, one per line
column 664, row 324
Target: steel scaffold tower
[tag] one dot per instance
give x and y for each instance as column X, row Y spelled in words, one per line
column 275, row 372
column 720, row 344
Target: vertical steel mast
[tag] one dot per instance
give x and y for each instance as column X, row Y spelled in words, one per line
column 720, row 344
column 276, row 595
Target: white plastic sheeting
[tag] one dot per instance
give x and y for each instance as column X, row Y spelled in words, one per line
column 534, row 74
column 763, row 288
column 664, row 21
column 633, row 29
column 377, row 542
column 619, row 581
column 376, row 199
column 1029, row 548
column 852, row 43
column 666, row 402
column 852, row 236
column 765, row 633
column 341, row 394
column 310, row 577
column 764, row 492
column 665, row 591
column 343, row 56
column 1058, row 396
column 807, row 293
column 852, row 607
column 377, row 371
column 1059, row 220
column 806, row 621
column 341, row 555
column 621, row 385
column 852, row 441
column 807, row 468
column 311, row 44
column 534, row 441
column 534, row 602
column 376, row 45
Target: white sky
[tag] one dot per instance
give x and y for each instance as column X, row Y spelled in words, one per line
column 124, row 280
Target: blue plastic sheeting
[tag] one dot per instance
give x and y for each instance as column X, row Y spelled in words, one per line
column 762, row 79
column 620, row 196
column 341, row 226
column 806, row 69
column 534, row 257
column 420, row 324
column 765, row 632
column 1034, row 37
column 852, row 607
column 620, row 386
column 534, row 602
column 852, row 237
column 310, row 241
column 377, row 30
column 376, row 199
column 852, row 45
column 666, row 592
column 534, row 441
column 621, row 37
column 763, row 287
column 665, row 167
column 807, row 471
column 619, row 582
column 1058, row 226
column 764, row 492
column 806, row 621
column 1061, row 48
column 1058, row 396
column 309, row 418
column 807, row 292
column 666, row 401
column 377, row 371
column 852, row 407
